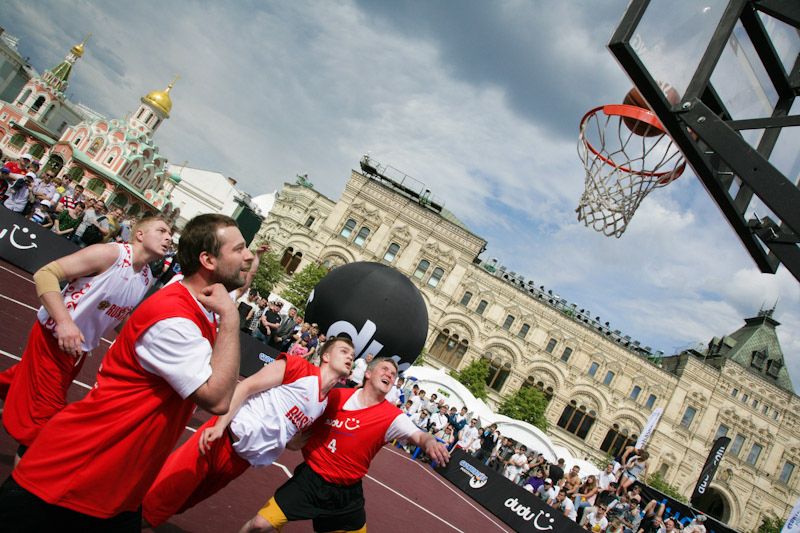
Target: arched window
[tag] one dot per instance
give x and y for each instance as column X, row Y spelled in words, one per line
column 54, row 163
column 24, row 96
column 77, row 141
column 95, row 146
column 467, row 297
column 509, row 320
column 436, row 277
column 421, row 269
column 348, row 228
column 551, row 345
column 617, row 439
column 36, row 151
column 565, row 354
column 498, row 372
column 577, row 419
column 120, row 200
column 140, row 113
column 294, row 263
column 449, row 348
column 95, row 185
column 363, row 233
column 37, row 104
column 76, row 173
column 481, row 307
column 391, row 253
column 286, row 257
column 523, row 331
column 17, row 140
column 547, row 391
column 134, row 209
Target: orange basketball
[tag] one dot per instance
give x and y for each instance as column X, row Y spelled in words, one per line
column 635, row 98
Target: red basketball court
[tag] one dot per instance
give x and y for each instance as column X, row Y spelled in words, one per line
column 402, row 494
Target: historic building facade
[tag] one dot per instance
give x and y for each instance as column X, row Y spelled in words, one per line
column 601, row 385
column 114, row 159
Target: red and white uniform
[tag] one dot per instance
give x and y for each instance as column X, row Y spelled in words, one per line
column 100, row 455
column 347, row 436
column 263, row 425
column 99, row 303
column 35, row 389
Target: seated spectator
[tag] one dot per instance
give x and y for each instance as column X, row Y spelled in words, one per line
column 439, row 420
column 615, row 525
column 586, row 494
column 421, row 419
column 596, row 520
column 299, row 348
column 41, row 214
column 458, row 420
column 652, row 517
column 407, row 407
column 566, row 506
column 697, row 525
column 447, row 436
column 468, row 436
column 548, row 491
column 631, row 517
column 515, row 464
column 534, row 481
column 487, row 446
column 502, row 455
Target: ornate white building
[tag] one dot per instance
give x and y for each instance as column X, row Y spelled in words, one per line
column 601, row 385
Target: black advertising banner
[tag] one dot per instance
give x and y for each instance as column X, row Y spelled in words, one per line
column 710, row 468
column 27, row 245
column 255, row 354
column 682, row 512
column 509, row 502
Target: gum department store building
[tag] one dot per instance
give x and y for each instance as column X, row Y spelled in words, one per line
column 601, row 386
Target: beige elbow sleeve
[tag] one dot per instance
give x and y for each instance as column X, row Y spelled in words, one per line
column 48, row 277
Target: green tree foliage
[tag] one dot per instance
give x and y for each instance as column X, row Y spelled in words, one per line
column 269, row 273
column 527, row 404
column 655, row 481
column 769, row 525
column 473, row 377
column 300, row 287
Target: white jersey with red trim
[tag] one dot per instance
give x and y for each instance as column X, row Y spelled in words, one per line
column 99, row 303
column 267, row 420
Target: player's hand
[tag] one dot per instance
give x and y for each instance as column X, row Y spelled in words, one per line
column 298, row 440
column 261, row 250
column 216, row 299
column 437, row 452
column 208, row 436
column 70, row 338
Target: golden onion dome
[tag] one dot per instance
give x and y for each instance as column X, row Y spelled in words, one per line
column 161, row 99
column 78, row 48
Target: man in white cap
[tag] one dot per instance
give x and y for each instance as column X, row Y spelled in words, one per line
column 698, row 525
column 19, row 189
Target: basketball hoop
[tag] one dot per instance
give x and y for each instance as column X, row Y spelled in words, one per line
column 626, row 154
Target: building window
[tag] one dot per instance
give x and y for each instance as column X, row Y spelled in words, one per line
column 391, row 253
column 609, row 377
column 577, row 419
column 765, row 410
column 786, row 472
column 481, row 307
column 565, row 354
column 735, row 393
column 745, row 397
column 348, row 228
column 95, row 185
column 363, row 233
column 140, row 113
column 635, row 392
column 773, row 368
column 37, row 104
column 551, row 345
column 755, row 453
column 686, row 421
column 755, row 404
column 17, row 140
column 110, row 159
column 449, row 348
column 436, row 277
column 508, row 322
column 651, row 400
column 523, row 331
column 498, row 372
column 757, row 359
column 421, row 269
column 617, row 440
column 309, row 221
column 721, row 432
column 531, row 382
column 467, row 297
column 774, row 415
column 736, row 445
column 593, row 369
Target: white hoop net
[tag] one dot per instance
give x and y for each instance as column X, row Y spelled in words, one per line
column 622, row 167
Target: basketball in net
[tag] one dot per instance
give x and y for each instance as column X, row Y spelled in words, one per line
column 627, row 154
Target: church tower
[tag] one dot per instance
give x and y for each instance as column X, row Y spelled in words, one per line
column 43, row 96
column 154, row 109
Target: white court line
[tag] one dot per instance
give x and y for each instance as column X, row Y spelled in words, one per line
column 446, row 485
column 18, row 275
column 19, row 303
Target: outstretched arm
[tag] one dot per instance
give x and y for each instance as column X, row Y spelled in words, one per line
column 434, row 449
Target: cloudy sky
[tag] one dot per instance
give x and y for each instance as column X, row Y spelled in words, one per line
column 481, row 101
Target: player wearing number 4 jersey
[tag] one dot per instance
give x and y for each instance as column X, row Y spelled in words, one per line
column 267, row 409
column 326, row 488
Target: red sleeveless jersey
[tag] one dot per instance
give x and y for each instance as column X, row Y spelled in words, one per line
column 343, row 443
column 101, row 454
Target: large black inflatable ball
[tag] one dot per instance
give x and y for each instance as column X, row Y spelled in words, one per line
column 376, row 306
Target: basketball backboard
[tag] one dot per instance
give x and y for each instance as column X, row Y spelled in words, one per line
column 735, row 65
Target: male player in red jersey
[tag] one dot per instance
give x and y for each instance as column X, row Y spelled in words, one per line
column 105, row 283
column 92, row 464
column 267, row 409
column 326, row 488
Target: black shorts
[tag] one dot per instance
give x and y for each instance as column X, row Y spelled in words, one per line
column 330, row 507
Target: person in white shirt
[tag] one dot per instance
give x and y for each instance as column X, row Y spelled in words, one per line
column 566, row 506
column 417, row 402
column 468, row 436
column 548, row 491
column 359, row 367
column 395, row 395
column 421, row 419
column 439, row 420
column 515, row 464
